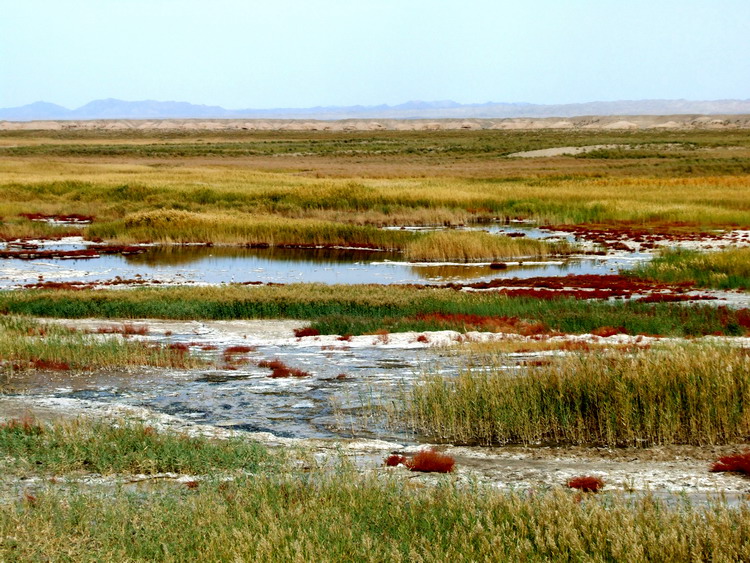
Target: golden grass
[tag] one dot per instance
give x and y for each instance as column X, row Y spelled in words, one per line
column 168, row 226
column 111, row 191
column 346, row 517
column 478, row 246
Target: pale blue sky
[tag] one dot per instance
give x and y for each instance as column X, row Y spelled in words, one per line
column 300, row 53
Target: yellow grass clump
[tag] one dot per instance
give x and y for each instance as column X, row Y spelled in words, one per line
column 478, row 246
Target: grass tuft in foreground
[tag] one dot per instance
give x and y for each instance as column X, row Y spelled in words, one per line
column 672, row 395
column 330, row 518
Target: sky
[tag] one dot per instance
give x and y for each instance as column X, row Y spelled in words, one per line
column 305, row 53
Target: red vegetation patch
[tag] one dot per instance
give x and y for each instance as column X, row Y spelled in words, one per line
column 239, row 349
column 345, row 338
column 393, row 460
column 431, row 461
column 584, row 286
column 743, row 318
column 307, row 331
column 280, row 370
column 423, row 339
column 209, row 347
column 126, row 328
column 512, row 325
column 50, row 365
column 587, row 484
column 191, row 484
column 179, row 347
column 342, row 376
column 79, row 285
column 614, row 234
column 24, row 425
column 737, row 463
column 231, row 353
column 605, row 331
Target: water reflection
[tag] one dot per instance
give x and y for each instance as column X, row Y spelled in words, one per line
column 181, row 255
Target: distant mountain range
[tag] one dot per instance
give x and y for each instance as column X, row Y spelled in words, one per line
column 151, row 109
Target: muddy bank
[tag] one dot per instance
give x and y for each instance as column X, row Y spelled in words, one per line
column 663, row 471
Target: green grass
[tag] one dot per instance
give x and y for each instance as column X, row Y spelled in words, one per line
column 725, row 269
column 252, row 504
column 356, row 144
column 100, row 447
column 673, row 395
column 342, row 309
column 344, row 517
column 25, row 344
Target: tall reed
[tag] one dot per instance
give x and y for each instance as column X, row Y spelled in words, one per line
column 674, row 395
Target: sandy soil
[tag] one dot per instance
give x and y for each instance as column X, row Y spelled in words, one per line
column 612, row 122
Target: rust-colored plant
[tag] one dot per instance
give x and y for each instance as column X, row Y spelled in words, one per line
column 50, row 365
column 431, row 461
column 394, row 459
column 24, row 425
column 737, row 463
column 280, row 370
column 307, row 331
column 587, row 484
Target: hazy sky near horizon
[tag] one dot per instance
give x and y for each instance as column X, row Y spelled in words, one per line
column 301, row 53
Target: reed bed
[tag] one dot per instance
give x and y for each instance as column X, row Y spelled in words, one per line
column 725, row 269
column 654, row 195
column 167, row 226
column 347, row 309
column 26, row 344
column 673, row 395
column 479, row 246
column 345, row 517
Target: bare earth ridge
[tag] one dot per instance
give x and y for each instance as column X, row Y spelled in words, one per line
column 611, row 122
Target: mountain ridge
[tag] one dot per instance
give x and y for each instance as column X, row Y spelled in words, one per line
column 112, row 108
